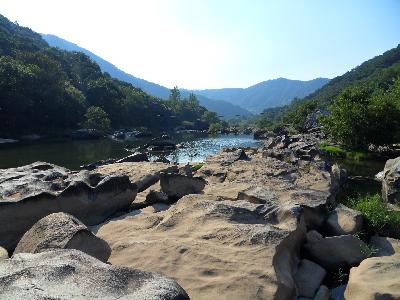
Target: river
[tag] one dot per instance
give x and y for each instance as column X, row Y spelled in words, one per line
column 73, row 153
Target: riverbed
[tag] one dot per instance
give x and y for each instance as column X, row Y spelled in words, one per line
column 73, row 153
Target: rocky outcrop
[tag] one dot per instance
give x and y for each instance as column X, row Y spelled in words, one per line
column 212, row 248
column 336, row 251
column 375, row 278
column 3, row 253
column 391, row 181
column 177, row 185
column 72, row 274
column 62, row 231
column 143, row 174
column 344, row 220
column 32, row 192
column 254, row 211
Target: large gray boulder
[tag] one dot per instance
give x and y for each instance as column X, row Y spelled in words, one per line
column 177, row 185
column 391, row 181
column 308, row 278
column 32, row 192
column 72, row 274
column 337, row 251
column 344, row 220
column 62, row 231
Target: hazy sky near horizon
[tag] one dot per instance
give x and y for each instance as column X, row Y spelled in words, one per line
column 219, row 43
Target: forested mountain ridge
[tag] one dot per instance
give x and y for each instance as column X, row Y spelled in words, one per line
column 381, row 69
column 220, row 107
column 266, row 94
column 361, row 107
column 45, row 89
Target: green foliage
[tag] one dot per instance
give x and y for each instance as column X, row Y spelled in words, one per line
column 333, row 151
column 44, row 89
column 198, row 166
column 97, row 118
column 359, row 116
column 380, row 219
column 371, row 80
column 215, row 127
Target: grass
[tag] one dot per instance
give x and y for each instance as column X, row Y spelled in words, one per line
column 198, row 166
column 379, row 217
column 337, row 152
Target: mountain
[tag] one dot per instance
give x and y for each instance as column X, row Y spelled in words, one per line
column 270, row 93
column 47, row 90
column 222, row 108
column 377, row 74
column 381, row 70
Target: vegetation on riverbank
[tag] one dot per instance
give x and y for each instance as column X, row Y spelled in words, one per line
column 380, row 218
column 359, row 108
column 48, row 90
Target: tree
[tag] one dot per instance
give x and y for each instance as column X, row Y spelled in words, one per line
column 365, row 115
column 175, row 94
column 97, row 118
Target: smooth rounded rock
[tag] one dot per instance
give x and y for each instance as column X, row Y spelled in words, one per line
column 72, row 274
column 62, row 231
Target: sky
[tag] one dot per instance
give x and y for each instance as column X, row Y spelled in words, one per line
column 199, row 44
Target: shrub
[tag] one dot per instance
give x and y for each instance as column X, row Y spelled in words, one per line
column 379, row 217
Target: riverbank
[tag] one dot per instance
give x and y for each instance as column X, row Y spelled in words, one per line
column 251, row 223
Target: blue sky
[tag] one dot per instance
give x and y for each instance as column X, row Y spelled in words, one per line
column 220, row 43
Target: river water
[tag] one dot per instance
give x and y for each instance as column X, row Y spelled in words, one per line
column 73, row 153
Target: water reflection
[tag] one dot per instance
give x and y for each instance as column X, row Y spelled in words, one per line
column 72, row 154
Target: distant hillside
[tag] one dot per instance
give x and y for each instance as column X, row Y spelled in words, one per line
column 222, row 108
column 381, row 70
column 46, row 90
column 270, row 93
column 378, row 73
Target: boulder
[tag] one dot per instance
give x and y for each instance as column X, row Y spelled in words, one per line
column 157, row 197
column 322, row 293
column 375, row 278
column 344, row 220
column 62, row 231
column 72, row 274
column 308, row 278
column 391, row 181
column 29, row 193
column 177, row 185
column 337, row 251
column 135, row 157
column 385, row 246
column 3, row 253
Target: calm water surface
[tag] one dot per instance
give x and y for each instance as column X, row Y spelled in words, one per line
column 73, row 153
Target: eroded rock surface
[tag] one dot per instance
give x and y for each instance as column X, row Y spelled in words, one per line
column 32, row 192
column 177, row 185
column 337, row 251
column 375, row 278
column 240, row 239
column 72, row 274
column 344, row 220
column 391, row 181
column 3, row 253
column 62, row 231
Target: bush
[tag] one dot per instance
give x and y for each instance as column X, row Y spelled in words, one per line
column 380, row 219
column 96, row 118
column 365, row 115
